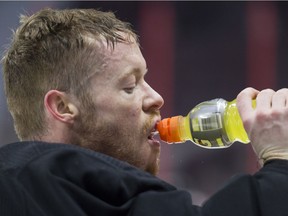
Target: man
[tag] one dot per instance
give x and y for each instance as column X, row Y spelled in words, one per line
column 75, row 86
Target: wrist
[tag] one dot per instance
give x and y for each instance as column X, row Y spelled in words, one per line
column 273, row 155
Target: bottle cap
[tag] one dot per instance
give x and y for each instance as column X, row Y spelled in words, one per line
column 168, row 129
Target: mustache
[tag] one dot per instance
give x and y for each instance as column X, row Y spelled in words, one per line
column 150, row 121
column 155, row 113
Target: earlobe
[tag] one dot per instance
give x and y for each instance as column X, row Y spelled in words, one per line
column 58, row 105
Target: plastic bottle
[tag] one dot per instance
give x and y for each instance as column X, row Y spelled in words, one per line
column 211, row 124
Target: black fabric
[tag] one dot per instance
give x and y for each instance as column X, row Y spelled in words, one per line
column 59, row 179
column 265, row 193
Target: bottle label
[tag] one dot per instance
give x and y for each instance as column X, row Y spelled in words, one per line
column 206, row 124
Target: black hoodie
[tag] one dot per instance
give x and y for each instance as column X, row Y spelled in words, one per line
column 38, row 178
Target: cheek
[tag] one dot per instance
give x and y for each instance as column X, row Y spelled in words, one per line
column 121, row 114
column 120, row 107
column 131, row 108
column 134, row 112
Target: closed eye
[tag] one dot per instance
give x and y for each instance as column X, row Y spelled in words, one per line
column 129, row 90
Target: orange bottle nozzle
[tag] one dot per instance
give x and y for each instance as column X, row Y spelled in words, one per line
column 168, row 129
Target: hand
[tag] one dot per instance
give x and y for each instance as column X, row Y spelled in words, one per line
column 266, row 124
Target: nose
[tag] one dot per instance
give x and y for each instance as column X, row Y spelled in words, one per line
column 152, row 100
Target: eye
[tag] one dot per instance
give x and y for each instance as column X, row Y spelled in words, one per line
column 129, row 90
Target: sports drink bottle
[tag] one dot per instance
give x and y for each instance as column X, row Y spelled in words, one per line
column 211, row 124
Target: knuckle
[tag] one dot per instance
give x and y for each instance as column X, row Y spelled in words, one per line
column 283, row 91
column 249, row 91
column 276, row 113
column 268, row 91
column 262, row 116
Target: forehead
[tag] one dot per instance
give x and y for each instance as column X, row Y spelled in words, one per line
column 123, row 58
column 119, row 61
column 128, row 51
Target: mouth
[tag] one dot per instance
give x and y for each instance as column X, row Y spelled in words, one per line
column 151, row 136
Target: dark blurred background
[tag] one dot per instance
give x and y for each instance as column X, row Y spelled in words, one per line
column 195, row 51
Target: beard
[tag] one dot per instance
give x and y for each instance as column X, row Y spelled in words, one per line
column 127, row 144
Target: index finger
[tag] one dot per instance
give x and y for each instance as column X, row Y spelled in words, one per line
column 244, row 101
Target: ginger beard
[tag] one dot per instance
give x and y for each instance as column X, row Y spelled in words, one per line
column 125, row 141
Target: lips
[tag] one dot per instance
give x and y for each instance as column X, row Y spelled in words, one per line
column 152, row 133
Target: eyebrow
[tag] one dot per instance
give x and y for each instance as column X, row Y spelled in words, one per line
column 135, row 71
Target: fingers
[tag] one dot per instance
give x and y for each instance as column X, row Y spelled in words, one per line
column 264, row 99
column 266, row 124
column 245, row 106
column 268, row 102
column 244, row 101
column 268, row 98
column 245, row 97
column 280, row 98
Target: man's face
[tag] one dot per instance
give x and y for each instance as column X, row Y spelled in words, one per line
column 125, row 110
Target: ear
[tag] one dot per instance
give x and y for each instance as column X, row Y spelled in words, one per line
column 60, row 106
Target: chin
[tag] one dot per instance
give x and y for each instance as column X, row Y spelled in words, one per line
column 154, row 170
column 153, row 165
